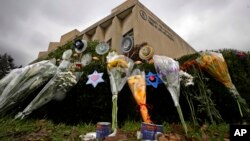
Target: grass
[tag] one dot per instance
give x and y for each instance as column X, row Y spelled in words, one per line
column 30, row 129
column 44, row 129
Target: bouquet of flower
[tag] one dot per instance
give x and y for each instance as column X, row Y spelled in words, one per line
column 168, row 71
column 137, row 85
column 119, row 68
column 6, row 80
column 216, row 66
column 58, row 86
column 22, row 82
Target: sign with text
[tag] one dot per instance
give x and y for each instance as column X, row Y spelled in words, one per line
column 239, row 132
column 159, row 26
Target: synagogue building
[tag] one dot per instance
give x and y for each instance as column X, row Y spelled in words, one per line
column 132, row 19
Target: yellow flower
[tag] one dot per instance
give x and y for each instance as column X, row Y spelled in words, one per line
column 117, row 63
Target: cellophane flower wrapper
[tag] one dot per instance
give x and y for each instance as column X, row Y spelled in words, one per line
column 216, row 66
column 137, row 85
column 23, row 82
column 86, row 59
column 119, row 68
column 6, row 80
column 168, row 71
column 64, row 65
column 67, row 54
column 60, row 84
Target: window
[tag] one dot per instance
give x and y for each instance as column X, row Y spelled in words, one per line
column 129, row 33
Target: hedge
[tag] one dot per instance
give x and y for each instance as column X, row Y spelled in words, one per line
column 84, row 103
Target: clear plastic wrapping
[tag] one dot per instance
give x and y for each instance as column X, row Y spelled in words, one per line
column 22, row 82
column 60, row 84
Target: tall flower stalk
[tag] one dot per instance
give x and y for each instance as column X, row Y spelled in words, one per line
column 204, row 98
column 168, row 71
column 216, row 66
column 137, row 85
column 119, row 68
column 186, row 81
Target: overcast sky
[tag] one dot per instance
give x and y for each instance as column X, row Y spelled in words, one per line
column 27, row 26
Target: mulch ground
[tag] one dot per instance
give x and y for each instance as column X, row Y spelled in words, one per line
column 44, row 134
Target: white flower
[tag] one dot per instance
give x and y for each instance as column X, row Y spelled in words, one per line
column 186, row 78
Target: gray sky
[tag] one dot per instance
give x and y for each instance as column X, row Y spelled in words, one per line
column 27, row 26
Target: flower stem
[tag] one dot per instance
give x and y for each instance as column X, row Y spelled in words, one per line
column 191, row 106
column 182, row 118
column 114, row 113
column 241, row 114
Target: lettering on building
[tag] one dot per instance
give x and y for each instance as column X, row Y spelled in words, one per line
column 160, row 27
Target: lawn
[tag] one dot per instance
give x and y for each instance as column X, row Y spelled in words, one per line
column 46, row 130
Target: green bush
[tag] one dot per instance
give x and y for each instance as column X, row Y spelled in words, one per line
column 87, row 104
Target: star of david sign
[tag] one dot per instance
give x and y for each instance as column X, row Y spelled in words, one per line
column 95, row 78
column 153, row 79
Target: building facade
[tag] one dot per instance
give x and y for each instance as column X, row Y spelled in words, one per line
column 134, row 19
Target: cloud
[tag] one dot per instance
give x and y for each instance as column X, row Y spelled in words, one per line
column 27, row 26
column 211, row 24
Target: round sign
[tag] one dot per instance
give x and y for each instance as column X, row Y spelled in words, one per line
column 127, row 44
column 80, row 45
column 102, row 48
column 143, row 15
column 146, row 52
